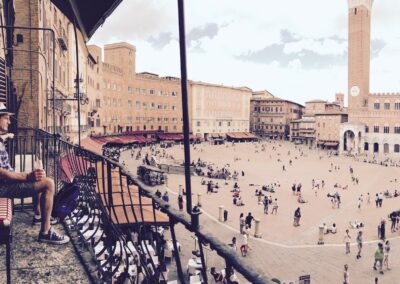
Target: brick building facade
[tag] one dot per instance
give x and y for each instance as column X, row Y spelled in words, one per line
column 217, row 110
column 34, row 85
column 374, row 119
column 271, row 117
column 320, row 123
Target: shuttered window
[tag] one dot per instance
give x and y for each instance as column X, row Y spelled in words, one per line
column 3, row 81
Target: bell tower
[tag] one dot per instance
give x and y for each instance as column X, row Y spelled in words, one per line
column 359, row 54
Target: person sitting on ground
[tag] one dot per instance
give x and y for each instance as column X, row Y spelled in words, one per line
column 239, row 201
column 332, row 229
column 387, row 194
column 356, row 224
column 300, row 199
column 236, row 188
column 24, row 185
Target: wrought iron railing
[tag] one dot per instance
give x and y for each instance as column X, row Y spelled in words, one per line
column 119, row 219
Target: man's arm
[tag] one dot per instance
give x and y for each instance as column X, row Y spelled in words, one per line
column 12, row 176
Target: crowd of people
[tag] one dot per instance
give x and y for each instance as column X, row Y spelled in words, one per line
column 266, row 195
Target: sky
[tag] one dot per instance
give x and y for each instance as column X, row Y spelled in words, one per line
column 297, row 50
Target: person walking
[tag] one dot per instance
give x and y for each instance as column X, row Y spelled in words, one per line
column 359, row 244
column 298, row 189
column 386, row 251
column 266, row 204
column 297, row 216
column 245, row 245
column 241, row 222
column 346, row 274
column 393, row 220
column 347, row 239
column 248, row 220
column 180, row 202
column 382, row 230
column 233, row 244
column 275, row 206
column 379, row 258
column 360, row 201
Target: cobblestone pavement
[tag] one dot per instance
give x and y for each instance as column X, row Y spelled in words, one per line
column 35, row 262
column 284, row 251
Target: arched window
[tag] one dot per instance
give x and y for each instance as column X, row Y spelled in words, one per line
column 387, row 105
column 397, row 105
column 386, row 148
column 397, row 148
column 376, row 147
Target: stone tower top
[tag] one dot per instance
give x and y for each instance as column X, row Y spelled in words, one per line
column 365, row 3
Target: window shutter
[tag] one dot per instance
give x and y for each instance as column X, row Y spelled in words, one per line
column 3, row 81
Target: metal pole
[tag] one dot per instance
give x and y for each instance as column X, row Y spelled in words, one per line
column 185, row 113
column 203, row 261
column 77, row 84
column 176, row 251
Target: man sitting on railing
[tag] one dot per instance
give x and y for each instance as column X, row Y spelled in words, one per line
column 24, row 185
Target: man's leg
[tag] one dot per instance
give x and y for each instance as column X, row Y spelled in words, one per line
column 37, row 204
column 45, row 190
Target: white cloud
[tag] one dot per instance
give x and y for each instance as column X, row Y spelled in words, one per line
column 322, row 47
column 247, row 27
column 295, row 64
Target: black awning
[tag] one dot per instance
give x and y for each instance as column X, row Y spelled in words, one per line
column 89, row 14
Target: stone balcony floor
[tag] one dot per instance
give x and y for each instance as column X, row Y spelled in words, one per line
column 34, row 262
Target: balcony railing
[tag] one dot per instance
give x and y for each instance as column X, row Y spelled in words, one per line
column 118, row 216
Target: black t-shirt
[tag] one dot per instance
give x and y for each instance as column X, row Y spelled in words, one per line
column 249, row 219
